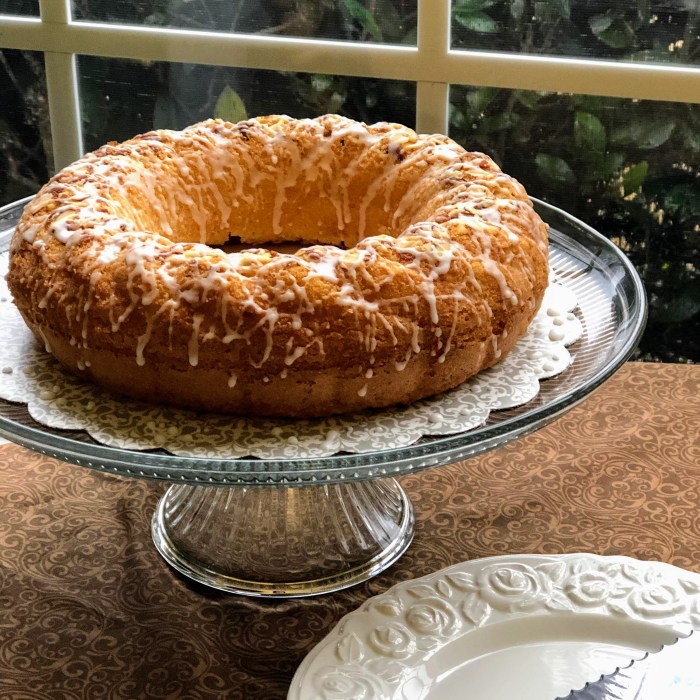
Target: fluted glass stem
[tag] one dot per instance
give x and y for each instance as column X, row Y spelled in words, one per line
column 283, row 542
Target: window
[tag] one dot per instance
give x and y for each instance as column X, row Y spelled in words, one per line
column 351, row 20
column 124, row 97
column 25, row 132
column 637, row 30
column 594, row 106
column 20, row 7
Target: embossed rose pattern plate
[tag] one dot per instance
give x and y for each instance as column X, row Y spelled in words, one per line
column 525, row 627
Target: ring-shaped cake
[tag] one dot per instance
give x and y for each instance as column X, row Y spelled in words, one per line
column 421, row 265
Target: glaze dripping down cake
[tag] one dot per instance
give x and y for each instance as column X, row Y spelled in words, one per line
column 421, row 264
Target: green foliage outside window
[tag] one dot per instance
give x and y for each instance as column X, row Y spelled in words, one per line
column 666, row 31
column 629, row 168
column 345, row 20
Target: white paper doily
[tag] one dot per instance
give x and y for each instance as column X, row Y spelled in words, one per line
column 57, row 399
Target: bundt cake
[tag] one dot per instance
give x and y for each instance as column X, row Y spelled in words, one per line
column 420, row 265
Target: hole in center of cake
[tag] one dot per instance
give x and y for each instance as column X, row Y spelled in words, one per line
column 235, row 245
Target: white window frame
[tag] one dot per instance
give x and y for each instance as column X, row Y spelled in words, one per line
column 432, row 65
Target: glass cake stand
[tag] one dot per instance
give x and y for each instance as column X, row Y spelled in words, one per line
column 298, row 527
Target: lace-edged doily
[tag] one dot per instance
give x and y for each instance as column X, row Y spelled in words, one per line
column 57, row 399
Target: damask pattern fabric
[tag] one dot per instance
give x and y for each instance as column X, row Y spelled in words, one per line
column 89, row 610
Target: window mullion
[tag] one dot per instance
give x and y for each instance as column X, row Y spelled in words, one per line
column 55, row 11
column 432, row 97
column 429, row 63
column 432, row 107
column 64, row 108
column 61, row 87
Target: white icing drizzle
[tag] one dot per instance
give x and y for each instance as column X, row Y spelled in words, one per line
column 193, row 345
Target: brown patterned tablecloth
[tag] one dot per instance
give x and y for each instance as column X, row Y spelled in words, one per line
column 89, row 610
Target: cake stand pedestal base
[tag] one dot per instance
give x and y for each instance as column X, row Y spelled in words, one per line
column 277, row 541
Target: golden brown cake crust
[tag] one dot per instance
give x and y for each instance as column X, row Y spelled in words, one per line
column 444, row 266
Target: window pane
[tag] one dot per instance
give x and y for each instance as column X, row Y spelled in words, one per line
column 19, row 7
column 627, row 167
column 391, row 21
column 660, row 31
column 121, row 98
column 25, row 137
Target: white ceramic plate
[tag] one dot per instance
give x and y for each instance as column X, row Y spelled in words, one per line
column 522, row 627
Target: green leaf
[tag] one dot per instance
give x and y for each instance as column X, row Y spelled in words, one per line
column 615, row 32
column 498, row 122
column 554, row 169
column 477, row 22
column 334, row 103
column 165, row 113
column 624, row 135
column 389, row 20
column 589, row 132
column 656, row 135
column 156, row 19
column 633, row 177
column 565, row 8
column 469, row 6
column 457, row 118
column 611, row 164
column 644, row 134
column 680, row 309
column 360, row 13
column 529, row 98
column 692, row 137
column 321, row 82
column 589, row 103
column 411, row 37
column 617, row 38
column 478, row 99
column 683, row 200
column 599, row 23
column 230, row 106
column 551, row 10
